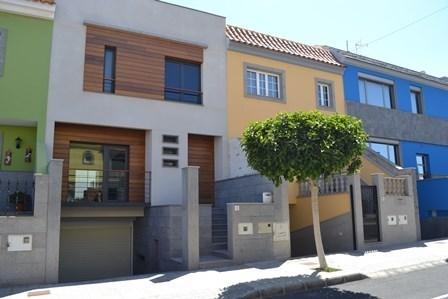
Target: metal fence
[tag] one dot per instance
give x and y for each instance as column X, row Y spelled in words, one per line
column 16, row 193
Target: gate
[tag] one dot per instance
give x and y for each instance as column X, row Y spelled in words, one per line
column 370, row 213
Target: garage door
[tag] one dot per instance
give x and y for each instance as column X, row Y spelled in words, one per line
column 95, row 250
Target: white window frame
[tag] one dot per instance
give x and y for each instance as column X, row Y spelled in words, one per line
column 266, row 83
column 320, row 94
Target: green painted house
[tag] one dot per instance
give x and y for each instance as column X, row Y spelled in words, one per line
column 25, row 46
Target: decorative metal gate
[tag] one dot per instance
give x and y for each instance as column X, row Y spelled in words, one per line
column 370, row 213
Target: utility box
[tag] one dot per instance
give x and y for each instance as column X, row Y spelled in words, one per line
column 391, row 220
column 20, row 243
column 245, row 228
column 402, row 219
column 265, row 228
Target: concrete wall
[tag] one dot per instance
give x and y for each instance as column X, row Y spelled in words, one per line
column 337, row 236
column 39, row 265
column 69, row 103
column 248, row 188
column 267, row 234
column 400, row 125
column 388, row 205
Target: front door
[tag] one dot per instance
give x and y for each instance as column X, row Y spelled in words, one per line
column 370, row 213
column 116, row 173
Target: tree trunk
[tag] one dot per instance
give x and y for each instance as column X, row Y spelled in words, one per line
column 316, row 224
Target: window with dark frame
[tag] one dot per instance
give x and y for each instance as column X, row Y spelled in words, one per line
column 422, row 166
column 376, row 93
column 416, row 101
column 388, row 151
column 183, row 81
column 110, row 57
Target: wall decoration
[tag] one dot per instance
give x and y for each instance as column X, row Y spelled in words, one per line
column 8, row 158
column 88, row 158
column 18, row 142
column 28, row 154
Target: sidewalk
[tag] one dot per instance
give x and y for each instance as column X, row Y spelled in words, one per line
column 258, row 280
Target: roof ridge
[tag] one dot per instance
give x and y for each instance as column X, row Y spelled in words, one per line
column 279, row 44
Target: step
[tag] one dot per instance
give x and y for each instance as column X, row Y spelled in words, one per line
column 219, row 232
column 219, row 211
column 219, row 246
column 220, row 239
column 219, row 226
column 221, row 253
column 212, row 261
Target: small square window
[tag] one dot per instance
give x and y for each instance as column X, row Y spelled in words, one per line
column 170, row 139
column 174, row 151
column 170, row 163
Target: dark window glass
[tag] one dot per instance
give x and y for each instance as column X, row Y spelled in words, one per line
column 109, row 69
column 422, row 166
column 416, row 102
column 170, row 139
column 183, row 81
column 388, row 151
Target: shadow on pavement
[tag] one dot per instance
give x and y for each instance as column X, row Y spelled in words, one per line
column 325, row 293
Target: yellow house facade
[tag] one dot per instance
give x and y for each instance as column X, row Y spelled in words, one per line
column 268, row 75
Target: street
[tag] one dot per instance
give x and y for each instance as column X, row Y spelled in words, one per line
column 424, row 284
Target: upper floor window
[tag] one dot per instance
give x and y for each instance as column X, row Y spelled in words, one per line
column 264, row 84
column 375, row 93
column 324, row 94
column 416, row 101
column 388, row 151
column 422, row 166
column 110, row 57
column 183, row 81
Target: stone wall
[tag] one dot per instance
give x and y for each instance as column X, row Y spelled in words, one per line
column 40, row 264
column 248, row 188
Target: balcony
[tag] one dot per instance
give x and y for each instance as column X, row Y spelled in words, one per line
column 87, row 187
column 16, row 193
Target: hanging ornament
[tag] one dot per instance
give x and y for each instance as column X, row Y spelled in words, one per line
column 28, row 154
column 8, row 158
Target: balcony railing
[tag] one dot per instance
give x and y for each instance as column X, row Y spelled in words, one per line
column 333, row 184
column 395, row 186
column 98, row 186
column 16, row 193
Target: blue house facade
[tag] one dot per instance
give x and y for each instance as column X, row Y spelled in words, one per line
column 405, row 114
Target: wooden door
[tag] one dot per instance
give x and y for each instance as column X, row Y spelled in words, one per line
column 201, row 152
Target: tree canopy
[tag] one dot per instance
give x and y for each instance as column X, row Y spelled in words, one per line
column 304, row 145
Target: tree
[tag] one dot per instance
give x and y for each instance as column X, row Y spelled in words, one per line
column 305, row 146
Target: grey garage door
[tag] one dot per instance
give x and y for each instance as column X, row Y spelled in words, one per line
column 95, row 250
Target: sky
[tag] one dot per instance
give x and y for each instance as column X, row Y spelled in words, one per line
column 421, row 47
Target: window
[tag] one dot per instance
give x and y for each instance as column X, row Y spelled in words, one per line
column 183, row 81
column 375, row 93
column 110, row 54
column 262, row 84
column 422, row 166
column 416, row 101
column 324, row 95
column 388, row 151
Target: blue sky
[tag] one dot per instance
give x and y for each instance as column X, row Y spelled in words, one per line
column 423, row 46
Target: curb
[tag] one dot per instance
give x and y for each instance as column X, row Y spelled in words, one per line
column 254, row 291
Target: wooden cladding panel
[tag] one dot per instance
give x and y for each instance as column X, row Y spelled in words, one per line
column 201, row 152
column 140, row 61
column 135, row 139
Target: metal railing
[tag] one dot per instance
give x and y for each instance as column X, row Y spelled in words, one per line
column 16, row 194
column 107, row 186
column 395, row 186
column 330, row 185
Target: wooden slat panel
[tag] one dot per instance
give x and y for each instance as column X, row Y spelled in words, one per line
column 201, row 153
column 135, row 139
column 140, row 64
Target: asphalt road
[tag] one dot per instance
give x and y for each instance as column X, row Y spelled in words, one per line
column 430, row 283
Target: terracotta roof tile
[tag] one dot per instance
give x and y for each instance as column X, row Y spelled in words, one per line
column 51, row 2
column 261, row 40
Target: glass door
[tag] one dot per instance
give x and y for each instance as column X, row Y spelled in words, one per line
column 116, row 173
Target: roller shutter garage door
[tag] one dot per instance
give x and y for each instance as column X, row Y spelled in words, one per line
column 92, row 250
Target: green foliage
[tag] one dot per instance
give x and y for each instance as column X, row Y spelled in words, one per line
column 304, row 145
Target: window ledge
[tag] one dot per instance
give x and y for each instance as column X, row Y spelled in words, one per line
column 263, row 98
